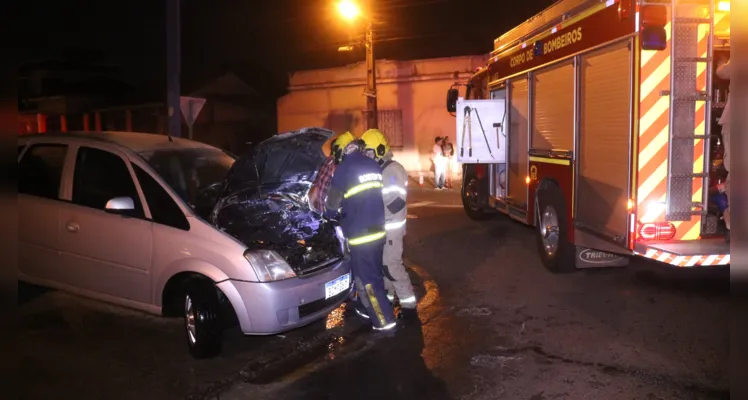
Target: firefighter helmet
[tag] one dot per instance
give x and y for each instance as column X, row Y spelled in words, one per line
column 375, row 141
column 339, row 144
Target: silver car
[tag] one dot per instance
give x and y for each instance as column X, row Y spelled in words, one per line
column 176, row 227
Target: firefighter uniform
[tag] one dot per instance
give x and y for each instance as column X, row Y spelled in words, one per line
column 394, row 194
column 356, row 191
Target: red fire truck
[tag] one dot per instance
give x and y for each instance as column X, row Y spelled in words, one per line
column 595, row 122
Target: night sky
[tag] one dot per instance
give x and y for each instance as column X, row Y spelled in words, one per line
column 262, row 40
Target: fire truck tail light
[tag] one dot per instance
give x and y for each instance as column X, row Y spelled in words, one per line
column 653, row 20
column 657, row 231
column 653, row 16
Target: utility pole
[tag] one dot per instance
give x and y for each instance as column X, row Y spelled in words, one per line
column 173, row 67
column 372, row 121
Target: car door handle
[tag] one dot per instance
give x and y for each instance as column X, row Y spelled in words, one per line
column 72, row 227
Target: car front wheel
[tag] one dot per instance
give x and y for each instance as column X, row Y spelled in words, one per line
column 202, row 319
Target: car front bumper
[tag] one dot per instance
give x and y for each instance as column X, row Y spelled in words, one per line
column 273, row 307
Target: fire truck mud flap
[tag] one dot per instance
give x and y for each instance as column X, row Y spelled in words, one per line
column 591, row 258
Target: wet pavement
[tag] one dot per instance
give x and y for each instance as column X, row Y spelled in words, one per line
column 493, row 325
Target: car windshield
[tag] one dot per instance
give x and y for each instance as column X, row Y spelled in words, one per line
column 195, row 174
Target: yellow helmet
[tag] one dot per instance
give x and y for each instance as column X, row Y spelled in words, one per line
column 338, row 145
column 375, row 140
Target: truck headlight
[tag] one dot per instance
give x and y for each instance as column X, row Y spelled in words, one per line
column 269, row 265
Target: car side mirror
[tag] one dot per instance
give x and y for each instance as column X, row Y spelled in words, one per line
column 452, row 95
column 120, row 205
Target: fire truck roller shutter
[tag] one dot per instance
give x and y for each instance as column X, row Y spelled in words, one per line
column 553, row 112
column 604, row 141
column 518, row 129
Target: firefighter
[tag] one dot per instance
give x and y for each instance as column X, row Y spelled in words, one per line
column 356, row 194
column 321, row 184
column 394, row 193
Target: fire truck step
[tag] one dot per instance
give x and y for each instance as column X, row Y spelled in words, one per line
column 697, row 21
column 691, row 59
column 700, row 96
column 706, row 246
column 694, row 176
column 691, row 137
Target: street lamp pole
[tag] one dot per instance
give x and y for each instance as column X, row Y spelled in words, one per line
column 173, row 67
column 372, row 122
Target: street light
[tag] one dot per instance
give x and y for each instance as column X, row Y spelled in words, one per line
column 351, row 11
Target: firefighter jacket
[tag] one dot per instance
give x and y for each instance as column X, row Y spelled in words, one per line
column 356, row 191
column 394, row 194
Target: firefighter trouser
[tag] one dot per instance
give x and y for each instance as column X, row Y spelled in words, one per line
column 366, row 265
column 393, row 264
column 726, row 164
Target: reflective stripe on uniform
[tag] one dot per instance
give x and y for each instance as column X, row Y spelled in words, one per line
column 394, row 225
column 375, row 305
column 362, row 187
column 408, row 300
column 387, row 327
column 394, row 189
column 366, row 239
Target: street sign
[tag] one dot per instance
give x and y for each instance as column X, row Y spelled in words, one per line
column 190, row 107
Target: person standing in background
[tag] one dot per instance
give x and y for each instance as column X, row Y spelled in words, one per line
column 723, row 72
column 448, row 152
column 437, row 157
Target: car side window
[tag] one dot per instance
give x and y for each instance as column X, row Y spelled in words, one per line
column 40, row 170
column 101, row 176
column 163, row 208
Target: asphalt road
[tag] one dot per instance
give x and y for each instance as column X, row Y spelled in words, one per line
column 493, row 325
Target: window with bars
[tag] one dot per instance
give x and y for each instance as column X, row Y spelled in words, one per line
column 391, row 124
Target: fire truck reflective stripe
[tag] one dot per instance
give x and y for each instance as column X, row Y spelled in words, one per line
column 550, row 160
column 709, row 260
column 654, row 135
column 687, row 261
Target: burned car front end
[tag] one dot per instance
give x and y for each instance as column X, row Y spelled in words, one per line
column 298, row 257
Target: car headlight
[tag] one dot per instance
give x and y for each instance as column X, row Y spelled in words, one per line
column 269, row 265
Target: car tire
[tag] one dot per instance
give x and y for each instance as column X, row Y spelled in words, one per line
column 202, row 321
column 471, row 200
column 551, row 229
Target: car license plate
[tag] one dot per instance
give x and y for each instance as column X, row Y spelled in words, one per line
column 337, row 285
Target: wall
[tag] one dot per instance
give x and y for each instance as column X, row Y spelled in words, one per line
column 333, row 98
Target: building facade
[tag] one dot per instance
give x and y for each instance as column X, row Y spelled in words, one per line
column 411, row 101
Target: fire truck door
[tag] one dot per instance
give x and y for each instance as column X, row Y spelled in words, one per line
column 480, row 131
column 604, row 146
column 518, row 139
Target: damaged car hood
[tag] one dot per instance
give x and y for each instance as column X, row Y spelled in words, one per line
column 264, row 200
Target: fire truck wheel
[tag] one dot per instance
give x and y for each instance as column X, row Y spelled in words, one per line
column 556, row 253
column 471, row 200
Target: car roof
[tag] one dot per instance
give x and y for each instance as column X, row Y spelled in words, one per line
column 134, row 141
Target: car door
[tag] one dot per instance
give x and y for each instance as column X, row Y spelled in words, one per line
column 40, row 173
column 105, row 252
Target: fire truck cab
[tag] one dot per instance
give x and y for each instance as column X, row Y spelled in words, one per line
column 596, row 122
